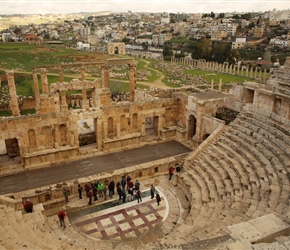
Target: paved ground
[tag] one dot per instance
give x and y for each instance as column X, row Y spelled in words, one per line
column 72, row 170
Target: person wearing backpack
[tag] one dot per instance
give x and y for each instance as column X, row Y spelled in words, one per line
column 61, row 215
column 28, row 206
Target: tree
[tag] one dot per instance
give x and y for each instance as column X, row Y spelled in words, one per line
column 212, row 15
column 145, row 46
column 221, row 15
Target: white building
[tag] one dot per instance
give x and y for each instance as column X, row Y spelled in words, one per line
column 83, row 46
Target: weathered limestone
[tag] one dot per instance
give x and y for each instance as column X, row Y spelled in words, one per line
column 13, row 96
column 44, row 81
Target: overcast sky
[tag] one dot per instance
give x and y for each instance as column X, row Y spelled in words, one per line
column 188, row 6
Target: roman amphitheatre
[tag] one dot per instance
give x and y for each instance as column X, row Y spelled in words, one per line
column 232, row 191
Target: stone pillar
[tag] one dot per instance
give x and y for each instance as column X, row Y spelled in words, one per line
column 118, row 125
column 260, row 75
column 61, row 76
column 212, row 83
column 105, row 130
column 251, row 72
column 83, row 74
column 264, row 76
column 247, row 71
column 132, row 79
column 220, row 84
column 13, row 95
column 85, row 101
column 105, row 76
column 200, row 114
column 63, row 104
column 238, row 70
column 44, row 81
column 256, row 70
column 36, row 89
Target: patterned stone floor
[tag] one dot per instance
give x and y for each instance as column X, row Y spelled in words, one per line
column 128, row 220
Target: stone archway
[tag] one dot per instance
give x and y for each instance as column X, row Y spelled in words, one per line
column 191, row 126
column 116, row 50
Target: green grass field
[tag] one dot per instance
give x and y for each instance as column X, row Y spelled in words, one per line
column 226, row 78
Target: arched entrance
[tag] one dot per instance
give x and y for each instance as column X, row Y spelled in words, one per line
column 191, row 127
column 116, row 50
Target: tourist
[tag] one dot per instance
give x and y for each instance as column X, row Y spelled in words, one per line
column 130, row 187
column 158, row 199
column 123, row 194
column 95, row 191
column 119, row 189
column 111, row 188
column 178, row 168
column 171, row 170
column 137, row 185
column 90, row 195
column 101, row 189
column 138, row 194
column 61, row 215
column 65, row 194
column 128, row 180
column 152, row 191
column 123, row 182
column 28, row 206
column 105, row 192
column 80, row 189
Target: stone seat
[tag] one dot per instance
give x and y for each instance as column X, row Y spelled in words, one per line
column 215, row 177
column 213, row 192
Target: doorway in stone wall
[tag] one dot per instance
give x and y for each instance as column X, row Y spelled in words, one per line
column 151, row 127
column 191, row 127
column 87, row 132
column 116, row 50
column 9, row 154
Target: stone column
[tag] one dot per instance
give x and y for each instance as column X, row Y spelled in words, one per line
column 212, row 83
column 61, row 76
column 13, row 95
column 105, row 130
column 264, row 76
column 247, row 71
column 132, row 79
column 36, row 89
column 105, row 76
column 83, row 74
column 44, row 81
column 220, row 84
column 256, row 70
column 118, row 125
column 200, row 114
column 63, row 104
column 251, row 72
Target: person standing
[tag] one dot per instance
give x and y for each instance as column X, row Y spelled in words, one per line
column 158, row 199
column 123, row 194
column 80, row 189
column 137, row 185
column 28, row 206
column 123, row 182
column 152, row 191
column 90, row 195
column 61, row 215
column 65, row 194
column 119, row 189
column 95, row 192
column 171, row 170
column 138, row 194
column 111, row 188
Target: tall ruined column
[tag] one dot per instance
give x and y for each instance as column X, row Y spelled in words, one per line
column 264, row 76
column 251, row 72
column 83, row 74
column 44, row 81
column 36, row 89
column 13, row 94
column 247, row 71
column 220, row 84
column 256, row 70
column 200, row 114
column 85, row 101
column 212, row 83
column 132, row 79
column 63, row 105
column 61, row 76
column 105, row 76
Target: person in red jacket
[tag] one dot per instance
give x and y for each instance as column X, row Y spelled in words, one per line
column 61, row 215
column 90, row 195
column 171, row 170
column 28, row 206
